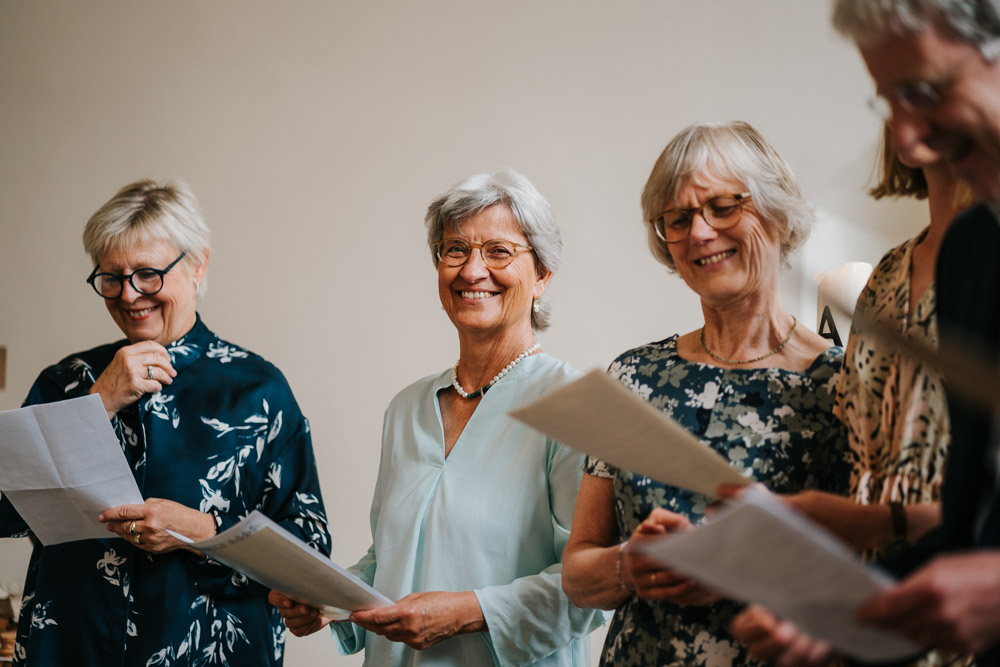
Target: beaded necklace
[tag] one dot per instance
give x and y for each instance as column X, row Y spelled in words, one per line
column 776, row 350
column 482, row 391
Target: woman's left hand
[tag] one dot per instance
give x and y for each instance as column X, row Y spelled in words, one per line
column 648, row 577
column 421, row 620
column 145, row 525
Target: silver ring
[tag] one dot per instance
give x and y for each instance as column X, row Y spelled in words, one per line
column 149, row 372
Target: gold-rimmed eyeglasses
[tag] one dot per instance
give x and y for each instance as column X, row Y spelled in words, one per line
column 496, row 253
column 720, row 213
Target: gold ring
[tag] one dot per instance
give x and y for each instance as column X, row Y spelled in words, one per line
column 137, row 539
column 131, row 528
column 652, row 579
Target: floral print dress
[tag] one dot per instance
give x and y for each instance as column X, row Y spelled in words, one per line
column 774, row 425
column 227, row 436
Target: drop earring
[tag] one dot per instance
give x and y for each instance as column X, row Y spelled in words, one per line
column 197, row 288
column 536, row 306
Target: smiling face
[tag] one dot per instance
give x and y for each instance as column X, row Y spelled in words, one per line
column 481, row 300
column 725, row 267
column 965, row 127
column 162, row 317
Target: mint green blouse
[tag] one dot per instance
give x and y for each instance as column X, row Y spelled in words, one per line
column 492, row 518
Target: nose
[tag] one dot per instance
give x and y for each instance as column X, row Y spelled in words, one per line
column 700, row 229
column 129, row 293
column 475, row 268
column 909, row 129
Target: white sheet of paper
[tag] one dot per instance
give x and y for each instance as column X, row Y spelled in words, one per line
column 62, row 466
column 598, row 416
column 270, row 555
column 759, row 550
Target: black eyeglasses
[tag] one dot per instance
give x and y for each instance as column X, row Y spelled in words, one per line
column 144, row 281
column 720, row 213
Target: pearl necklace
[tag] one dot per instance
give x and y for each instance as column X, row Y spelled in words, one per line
column 496, row 378
column 776, row 350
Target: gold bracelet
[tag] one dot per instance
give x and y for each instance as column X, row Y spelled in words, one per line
column 618, row 568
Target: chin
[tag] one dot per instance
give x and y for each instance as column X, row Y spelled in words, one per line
column 136, row 334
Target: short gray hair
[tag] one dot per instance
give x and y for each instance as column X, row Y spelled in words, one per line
column 529, row 208
column 731, row 149
column 146, row 211
column 976, row 22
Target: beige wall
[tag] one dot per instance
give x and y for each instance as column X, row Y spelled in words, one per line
column 316, row 132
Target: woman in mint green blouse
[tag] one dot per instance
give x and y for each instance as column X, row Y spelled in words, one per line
column 472, row 510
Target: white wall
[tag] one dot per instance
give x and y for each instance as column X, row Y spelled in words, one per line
column 316, row 132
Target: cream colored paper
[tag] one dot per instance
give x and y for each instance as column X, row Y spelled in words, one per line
column 61, row 466
column 759, row 550
column 598, row 416
column 270, row 555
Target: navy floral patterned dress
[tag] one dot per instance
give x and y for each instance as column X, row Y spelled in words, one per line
column 226, row 436
column 775, row 425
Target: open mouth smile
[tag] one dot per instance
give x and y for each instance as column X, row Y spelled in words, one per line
column 717, row 257
column 476, row 295
column 140, row 314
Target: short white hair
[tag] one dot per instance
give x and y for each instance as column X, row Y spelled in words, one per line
column 147, row 211
column 728, row 149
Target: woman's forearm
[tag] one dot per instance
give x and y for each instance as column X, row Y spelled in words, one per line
column 594, row 576
column 865, row 526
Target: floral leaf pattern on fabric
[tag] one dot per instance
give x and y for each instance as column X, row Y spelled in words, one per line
column 773, row 425
column 227, row 436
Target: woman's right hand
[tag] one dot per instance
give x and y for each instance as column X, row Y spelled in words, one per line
column 649, row 578
column 771, row 639
column 299, row 618
column 126, row 378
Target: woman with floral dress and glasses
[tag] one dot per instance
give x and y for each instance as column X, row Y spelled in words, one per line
column 723, row 210
column 472, row 509
column 211, row 432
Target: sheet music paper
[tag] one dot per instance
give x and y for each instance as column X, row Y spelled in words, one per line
column 270, row 555
column 63, row 466
column 759, row 550
column 598, row 416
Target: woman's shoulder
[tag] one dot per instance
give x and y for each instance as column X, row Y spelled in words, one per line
column 545, row 368
column 417, row 390
column 656, row 351
column 827, row 363
column 224, row 355
column 95, row 359
column 893, row 268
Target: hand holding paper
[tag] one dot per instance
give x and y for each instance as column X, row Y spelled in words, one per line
column 270, row 555
column 759, row 550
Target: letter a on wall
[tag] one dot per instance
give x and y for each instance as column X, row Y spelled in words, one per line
column 828, row 328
